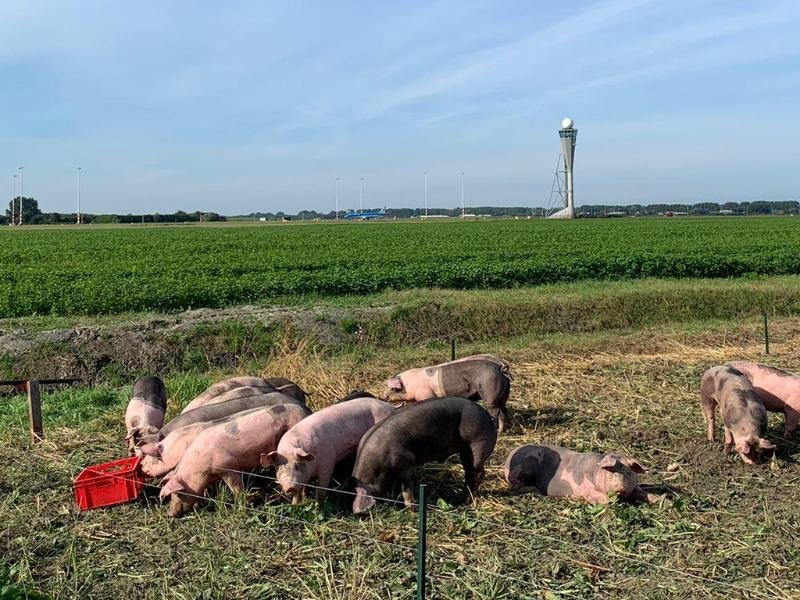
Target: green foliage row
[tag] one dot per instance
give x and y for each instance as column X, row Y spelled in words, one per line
column 105, row 271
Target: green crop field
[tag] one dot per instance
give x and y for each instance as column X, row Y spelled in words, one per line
column 97, row 271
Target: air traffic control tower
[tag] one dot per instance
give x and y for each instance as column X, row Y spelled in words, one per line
column 568, row 135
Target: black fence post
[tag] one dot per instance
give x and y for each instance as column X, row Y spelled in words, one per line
column 421, row 543
column 766, row 333
column 453, row 349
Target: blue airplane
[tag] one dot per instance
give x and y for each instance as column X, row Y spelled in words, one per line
column 365, row 215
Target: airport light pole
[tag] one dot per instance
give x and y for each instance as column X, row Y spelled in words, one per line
column 21, row 191
column 462, row 193
column 337, row 198
column 13, row 197
column 426, row 193
column 78, row 197
column 361, row 196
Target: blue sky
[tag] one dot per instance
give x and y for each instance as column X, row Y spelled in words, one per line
column 245, row 106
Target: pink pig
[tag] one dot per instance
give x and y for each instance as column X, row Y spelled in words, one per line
column 162, row 457
column 779, row 390
column 563, row 473
column 213, row 393
column 311, row 449
column 234, row 445
column 743, row 414
column 145, row 413
column 482, row 377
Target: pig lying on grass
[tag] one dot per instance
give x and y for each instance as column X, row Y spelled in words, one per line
column 743, row 413
column 414, row 435
column 236, row 444
column 563, row 473
column 145, row 413
column 311, row 449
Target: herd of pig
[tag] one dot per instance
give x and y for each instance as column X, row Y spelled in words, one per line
column 244, row 424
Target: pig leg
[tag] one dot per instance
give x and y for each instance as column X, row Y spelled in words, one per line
column 792, row 419
column 499, row 400
column 708, row 405
column 407, row 485
column 597, row 497
column 157, row 468
column 234, row 482
column 471, row 473
column 728, row 441
column 323, row 480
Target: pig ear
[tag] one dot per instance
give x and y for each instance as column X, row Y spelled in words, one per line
column 303, row 455
column 395, row 383
column 172, row 486
column 268, row 459
column 634, row 465
column 767, row 446
column 608, row 462
column 151, row 449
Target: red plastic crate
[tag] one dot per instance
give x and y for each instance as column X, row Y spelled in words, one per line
column 110, row 483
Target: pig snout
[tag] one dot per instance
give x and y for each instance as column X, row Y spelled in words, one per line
column 753, row 450
column 179, row 506
column 363, row 500
column 289, row 482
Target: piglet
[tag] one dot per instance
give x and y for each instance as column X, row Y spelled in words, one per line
column 217, row 452
column 563, row 473
column 159, row 458
column 145, row 413
column 414, row 435
column 743, row 412
column 476, row 378
column 779, row 390
column 311, row 449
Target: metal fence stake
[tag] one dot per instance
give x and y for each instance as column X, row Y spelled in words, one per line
column 766, row 334
column 453, row 349
column 421, row 543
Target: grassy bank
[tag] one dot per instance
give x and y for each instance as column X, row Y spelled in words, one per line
column 117, row 349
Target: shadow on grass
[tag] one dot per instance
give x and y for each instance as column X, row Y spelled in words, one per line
column 548, row 416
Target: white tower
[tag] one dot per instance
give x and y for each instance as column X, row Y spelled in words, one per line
column 568, row 135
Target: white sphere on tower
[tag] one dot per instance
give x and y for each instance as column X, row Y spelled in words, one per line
column 567, row 123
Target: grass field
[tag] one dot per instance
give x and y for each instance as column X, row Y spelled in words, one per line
column 720, row 528
column 96, row 271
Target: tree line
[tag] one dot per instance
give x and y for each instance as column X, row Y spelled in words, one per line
column 33, row 215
